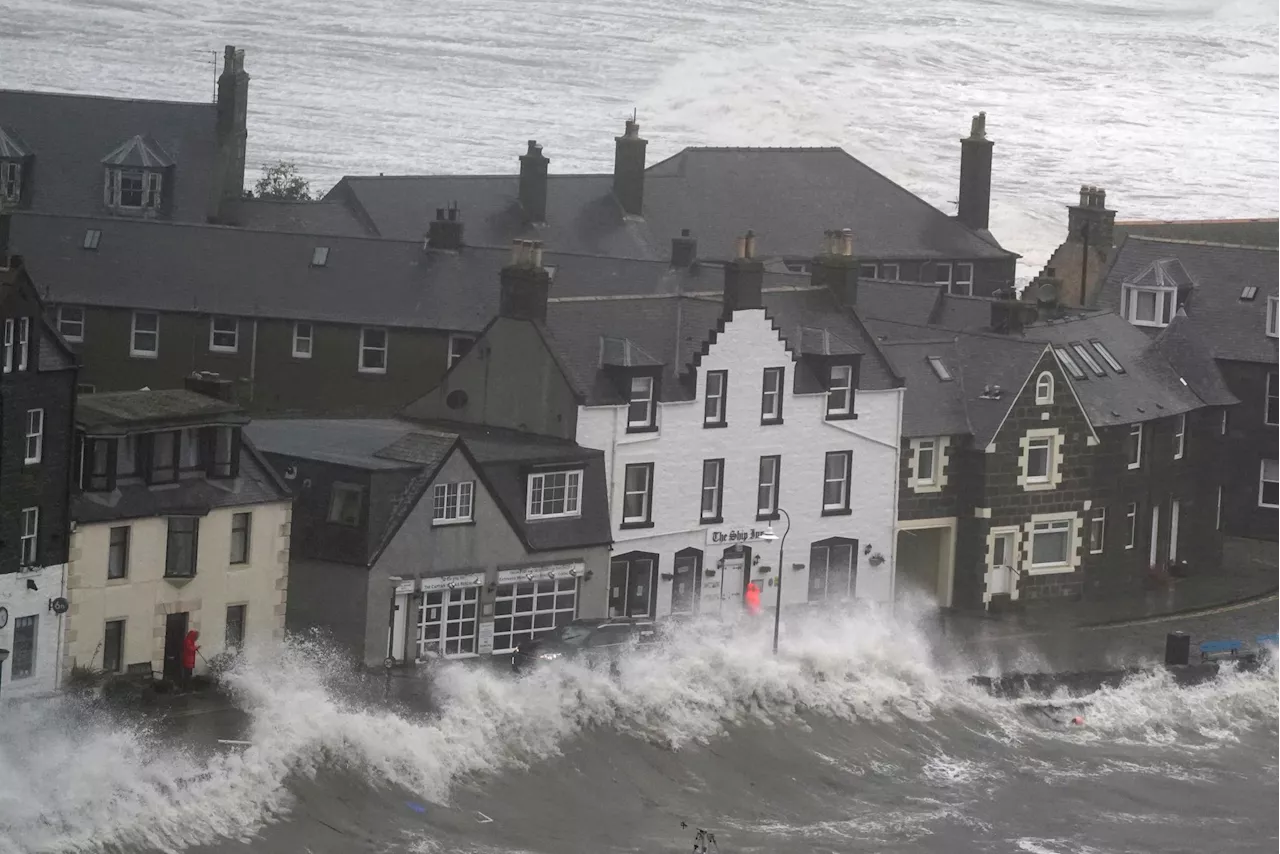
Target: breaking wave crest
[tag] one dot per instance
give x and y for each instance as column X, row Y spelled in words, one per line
column 75, row 779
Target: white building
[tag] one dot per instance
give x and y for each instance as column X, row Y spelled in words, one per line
column 180, row 526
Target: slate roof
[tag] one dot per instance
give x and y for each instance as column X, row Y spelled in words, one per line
column 1241, row 232
column 299, row 217
column 673, row 329
column 118, row 413
column 256, row 483
column 1187, row 354
column 139, row 151
column 786, row 195
column 348, row 442
column 69, row 135
column 1229, row 327
column 11, row 144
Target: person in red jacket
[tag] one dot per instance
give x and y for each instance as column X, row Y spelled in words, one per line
column 753, row 599
column 189, row 650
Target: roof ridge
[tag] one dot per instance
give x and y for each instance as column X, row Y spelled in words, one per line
column 89, row 96
column 1151, row 239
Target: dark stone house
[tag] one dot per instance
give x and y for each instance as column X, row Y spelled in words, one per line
column 416, row 541
column 37, row 401
column 1061, row 457
column 1220, row 300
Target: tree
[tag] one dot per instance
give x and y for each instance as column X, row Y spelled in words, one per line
column 282, row 181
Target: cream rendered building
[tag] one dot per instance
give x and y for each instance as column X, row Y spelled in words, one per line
column 179, row 525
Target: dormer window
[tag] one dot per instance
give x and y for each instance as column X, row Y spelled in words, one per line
column 134, row 177
column 1273, row 326
column 641, row 405
column 10, row 181
column 839, row 391
column 15, row 157
column 1148, row 306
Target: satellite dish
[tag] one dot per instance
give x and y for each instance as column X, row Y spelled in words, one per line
column 4, row 617
column 59, row 605
column 388, row 662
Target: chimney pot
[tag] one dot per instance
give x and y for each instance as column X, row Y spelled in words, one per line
column 684, row 232
column 846, row 243
column 750, row 245
column 445, row 232
column 533, row 183
column 684, row 249
column 525, row 283
column 439, row 213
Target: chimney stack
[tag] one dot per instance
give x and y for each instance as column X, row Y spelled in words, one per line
column 628, row 169
column 684, row 249
column 211, row 384
column 445, row 231
column 1010, row 314
column 974, row 208
column 835, row 268
column 231, row 133
column 525, row 283
column 533, row 183
column 1090, row 221
column 743, row 278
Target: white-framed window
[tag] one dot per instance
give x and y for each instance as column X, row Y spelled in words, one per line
column 133, row 188
column 1271, row 416
column 927, row 462
column 451, row 503
column 459, row 345
column 1131, row 525
column 1044, row 388
column 939, row 369
column 1217, row 524
column 1134, row 443
column 1069, row 363
column 71, row 322
column 713, row 409
column 1180, row 436
column 302, row 340
column 835, row 481
column 224, row 334
column 1273, row 324
column 528, row 609
column 637, row 494
column 867, row 271
column 10, row 180
column 1051, row 543
column 888, row 272
column 241, row 534
column 641, row 407
column 771, row 395
column 1268, row 484
column 35, row 437
column 8, row 344
column 1147, row 306
column 1098, row 531
column 320, row 256
column 1223, row 427
column 373, row 350
column 963, row 283
column 1175, row 515
column 767, row 489
column 840, row 390
column 1039, row 459
column 553, row 494
column 30, row 543
column 712, row 490
column 24, row 342
column 447, row 622
column 942, row 273
column 144, row 339
column 1087, row 358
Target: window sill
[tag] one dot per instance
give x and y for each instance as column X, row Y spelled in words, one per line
column 842, row 416
column 225, row 351
column 711, row 520
column 1050, row 569
column 1133, row 466
column 1096, row 551
column 837, row 511
column 626, row 526
column 1039, row 486
column 445, row 523
column 142, row 354
column 302, row 355
column 768, row 517
column 371, row 370
column 924, row 488
column 71, row 340
column 179, row 580
column 769, row 422
column 553, row 517
column 713, row 424
column 645, row 428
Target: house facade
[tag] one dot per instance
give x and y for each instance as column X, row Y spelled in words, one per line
column 725, row 420
column 1064, row 457
column 1220, row 300
column 180, row 525
column 416, row 542
column 37, row 398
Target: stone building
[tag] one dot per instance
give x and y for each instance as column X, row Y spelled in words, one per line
column 37, row 398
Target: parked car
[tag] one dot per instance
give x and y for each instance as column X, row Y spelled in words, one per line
column 590, row 640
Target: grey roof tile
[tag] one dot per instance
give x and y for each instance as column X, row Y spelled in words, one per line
column 1186, row 353
column 125, row 411
column 69, row 135
column 1242, row 232
column 299, row 217
column 350, row 442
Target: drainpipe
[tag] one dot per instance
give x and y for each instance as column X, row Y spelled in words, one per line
column 893, row 526
column 1084, row 262
column 253, row 360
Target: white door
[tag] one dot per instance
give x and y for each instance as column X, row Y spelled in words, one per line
column 1000, row 578
column 1174, row 509
column 731, row 586
column 1155, row 532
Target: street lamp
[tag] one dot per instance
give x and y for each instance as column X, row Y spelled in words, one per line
column 4, row 656
column 770, row 536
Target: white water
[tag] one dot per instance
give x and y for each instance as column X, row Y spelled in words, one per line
column 1169, row 104
column 65, row 788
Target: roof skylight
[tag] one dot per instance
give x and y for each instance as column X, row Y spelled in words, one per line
column 1069, row 363
column 320, row 256
column 1106, row 356
column 939, row 369
column 1088, row 359
column 1249, row 292
column 91, row 238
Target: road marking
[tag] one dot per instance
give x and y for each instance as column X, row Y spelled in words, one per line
column 483, row 819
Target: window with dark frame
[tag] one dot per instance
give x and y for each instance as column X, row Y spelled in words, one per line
column 1272, row 415
column 346, row 504
column 840, row 391
column 712, row 490
column 641, row 406
column 118, row 553
column 180, row 547
column 963, row 284
column 29, row 544
column 165, row 448
column 835, row 487
column 23, row 663
column 459, row 346
column 713, row 411
column 637, row 494
column 1269, row 484
column 221, row 451
column 771, row 396
column 233, row 636
column 113, row 646
column 241, row 530
column 767, row 489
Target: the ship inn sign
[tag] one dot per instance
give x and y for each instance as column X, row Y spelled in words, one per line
column 735, row 536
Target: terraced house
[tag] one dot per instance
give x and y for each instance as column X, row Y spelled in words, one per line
column 1053, row 457
column 722, row 414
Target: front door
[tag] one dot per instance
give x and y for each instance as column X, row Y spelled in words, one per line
column 732, row 585
column 686, row 584
column 631, row 582
column 175, row 631
column 832, row 569
column 447, row 622
column 1000, row 573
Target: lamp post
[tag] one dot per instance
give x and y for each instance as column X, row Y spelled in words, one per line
column 4, row 656
column 770, row 536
